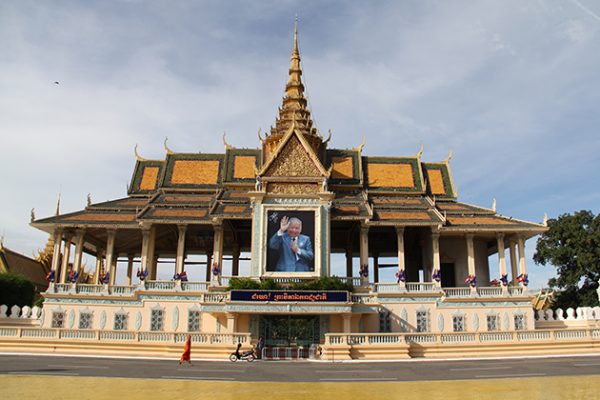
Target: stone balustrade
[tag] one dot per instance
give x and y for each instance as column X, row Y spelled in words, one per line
column 570, row 314
column 24, row 312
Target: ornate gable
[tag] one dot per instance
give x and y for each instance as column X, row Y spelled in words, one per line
column 293, row 160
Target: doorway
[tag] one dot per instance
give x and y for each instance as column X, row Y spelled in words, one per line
column 290, row 330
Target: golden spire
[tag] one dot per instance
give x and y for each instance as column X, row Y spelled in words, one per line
column 295, row 105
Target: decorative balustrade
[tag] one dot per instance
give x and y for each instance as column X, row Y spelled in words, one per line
column 490, row 291
column 123, row 290
column 571, row 314
column 546, row 335
column 458, row 292
column 194, row 286
column 215, row 297
column 364, row 299
column 161, row 285
column 89, row 289
column 516, row 290
column 425, row 287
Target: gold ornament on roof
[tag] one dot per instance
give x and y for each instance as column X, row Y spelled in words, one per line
column 137, row 156
column 167, row 149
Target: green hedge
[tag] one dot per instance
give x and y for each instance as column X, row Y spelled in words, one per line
column 16, row 290
column 322, row 283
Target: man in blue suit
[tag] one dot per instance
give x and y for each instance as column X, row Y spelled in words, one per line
column 295, row 250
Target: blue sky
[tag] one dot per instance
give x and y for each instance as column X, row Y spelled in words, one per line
column 512, row 87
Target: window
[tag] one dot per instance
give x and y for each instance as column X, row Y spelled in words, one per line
column 85, row 320
column 520, row 323
column 492, row 323
column 458, row 323
column 193, row 321
column 422, row 321
column 385, row 323
column 58, row 319
column 156, row 320
column 120, row 322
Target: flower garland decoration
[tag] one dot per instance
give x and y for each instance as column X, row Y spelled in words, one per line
column 215, row 269
column 73, row 276
column 364, row 270
column 504, row 279
column 471, row 280
column 183, row 276
column 51, row 276
column 142, row 274
column 105, row 277
column 524, row 279
column 401, row 275
column 436, row 275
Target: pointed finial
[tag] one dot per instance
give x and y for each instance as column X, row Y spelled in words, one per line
column 259, row 137
column 494, row 205
column 296, row 35
column 167, row 149
column 362, row 144
column 449, row 157
column 137, row 156
column 420, row 153
column 227, row 145
column 328, row 137
column 545, row 219
column 89, row 199
column 58, row 205
column 32, row 215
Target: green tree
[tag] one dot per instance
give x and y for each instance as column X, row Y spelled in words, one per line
column 16, row 290
column 572, row 246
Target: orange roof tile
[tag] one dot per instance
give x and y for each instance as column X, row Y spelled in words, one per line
column 195, row 172
column 243, row 167
column 149, row 178
column 342, row 168
column 391, row 175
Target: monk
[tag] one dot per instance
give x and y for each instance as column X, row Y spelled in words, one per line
column 187, row 351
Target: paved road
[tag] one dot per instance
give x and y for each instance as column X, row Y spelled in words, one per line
column 299, row 371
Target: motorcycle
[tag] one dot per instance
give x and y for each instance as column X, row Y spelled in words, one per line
column 247, row 356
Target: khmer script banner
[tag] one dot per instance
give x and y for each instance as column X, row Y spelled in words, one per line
column 289, row 296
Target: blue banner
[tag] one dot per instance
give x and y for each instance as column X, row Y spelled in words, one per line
column 290, row 296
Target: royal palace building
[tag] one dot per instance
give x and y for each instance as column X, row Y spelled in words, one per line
column 291, row 210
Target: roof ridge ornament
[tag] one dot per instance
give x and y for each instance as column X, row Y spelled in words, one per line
column 32, row 215
column 227, row 145
column 89, row 199
column 545, row 219
column 494, row 204
column 362, row 144
column 137, row 155
column 328, row 137
column 262, row 141
column 58, row 205
column 167, row 149
column 420, row 152
column 449, row 156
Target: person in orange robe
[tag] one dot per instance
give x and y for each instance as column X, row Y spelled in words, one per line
column 187, row 351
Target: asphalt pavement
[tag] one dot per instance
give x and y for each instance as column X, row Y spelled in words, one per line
column 300, row 371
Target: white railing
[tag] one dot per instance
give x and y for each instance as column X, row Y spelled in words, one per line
column 388, row 288
column 77, row 334
column 62, row 287
column 160, row 285
column 516, row 290
column 490, row 291
column 364, row 299
column 194, row 286
column 123, row 290
column 116, row 336
column 428, row 287
column 89, row 289
column 458, row 292
column 215, row 297
column 571, row 314
column 546, row 335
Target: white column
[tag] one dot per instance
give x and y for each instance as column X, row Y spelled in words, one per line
column 145, row 249
column 218, row 251
column 98, row 266
column 513, row 262
column 79, row 236
column 470, row 254
column 56, row 253
column 65, row 260
column 501, row 256
column 521, row 246
column 435, row 249
column 364, row 252
column 110, row 255
column 152, row 258
column 180, row 249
